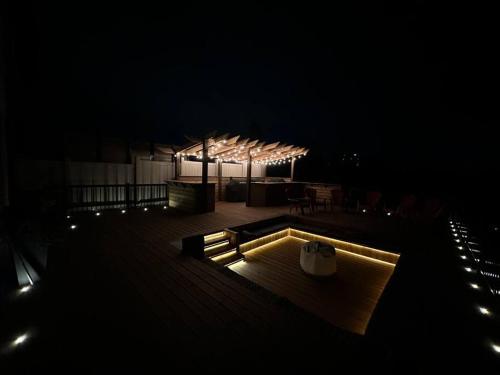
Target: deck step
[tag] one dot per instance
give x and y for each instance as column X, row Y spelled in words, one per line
column 228, row 258
column 215, row 237
column 217, row 247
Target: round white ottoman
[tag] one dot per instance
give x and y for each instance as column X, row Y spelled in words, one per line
column 318, row 259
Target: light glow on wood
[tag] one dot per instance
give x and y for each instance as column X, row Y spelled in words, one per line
column 216, row 246
column 224, row 256
column 213, row 236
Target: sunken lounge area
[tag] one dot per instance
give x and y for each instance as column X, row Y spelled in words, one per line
column 268, row 253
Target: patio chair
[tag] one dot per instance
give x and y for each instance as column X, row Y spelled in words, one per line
column 312, row 194
column 296, row 202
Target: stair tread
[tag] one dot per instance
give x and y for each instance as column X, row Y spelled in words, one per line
column 220, row 251
column 216, row 241
column 231, row 259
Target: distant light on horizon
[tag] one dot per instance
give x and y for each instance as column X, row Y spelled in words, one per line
column 73, row 226
column 145, row 208
column 123, row 211
column 468, row 269
column 474, row 286
column 97, row 214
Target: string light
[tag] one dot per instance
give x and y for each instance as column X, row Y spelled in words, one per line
column 484, row 310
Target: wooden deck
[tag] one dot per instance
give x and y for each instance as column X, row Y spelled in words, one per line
column 122, row 296
column 124, row 278
column 347, row 300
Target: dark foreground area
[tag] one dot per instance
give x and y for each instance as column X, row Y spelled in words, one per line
column 119, row 295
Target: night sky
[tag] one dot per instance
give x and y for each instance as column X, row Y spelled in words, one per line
column 408, row 87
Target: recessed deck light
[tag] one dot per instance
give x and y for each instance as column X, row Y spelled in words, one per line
column 123, row 211
column 484, row 310
column 73, row 226
column 389, row 214
column 145, row 209
column 164, row 207
column 25, row 289
column 20, row 339
column 364, row 210
column 97, row 214
column 68, row 217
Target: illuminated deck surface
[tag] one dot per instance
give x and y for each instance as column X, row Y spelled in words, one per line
column 347, row 300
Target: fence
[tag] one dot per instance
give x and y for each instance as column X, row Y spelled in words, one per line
column 99, row 197
column 193, row 168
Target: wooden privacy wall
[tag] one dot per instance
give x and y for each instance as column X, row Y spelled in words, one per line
column 34, row 174
column 232, row 170
column 154, row 172
column 81, row 173
column 193, row 169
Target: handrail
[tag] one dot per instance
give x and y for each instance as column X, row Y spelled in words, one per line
column 92, row 197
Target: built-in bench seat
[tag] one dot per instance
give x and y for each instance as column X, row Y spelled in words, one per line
column 253, row 232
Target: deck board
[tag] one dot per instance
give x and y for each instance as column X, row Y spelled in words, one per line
column 347, row 300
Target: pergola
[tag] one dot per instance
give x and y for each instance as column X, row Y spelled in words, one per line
column 227, row 148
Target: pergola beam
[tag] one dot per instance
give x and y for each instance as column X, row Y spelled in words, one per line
column 225, row 148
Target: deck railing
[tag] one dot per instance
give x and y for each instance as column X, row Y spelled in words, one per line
column 99, row 197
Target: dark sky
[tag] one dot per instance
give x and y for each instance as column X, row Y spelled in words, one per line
column 410, row 85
